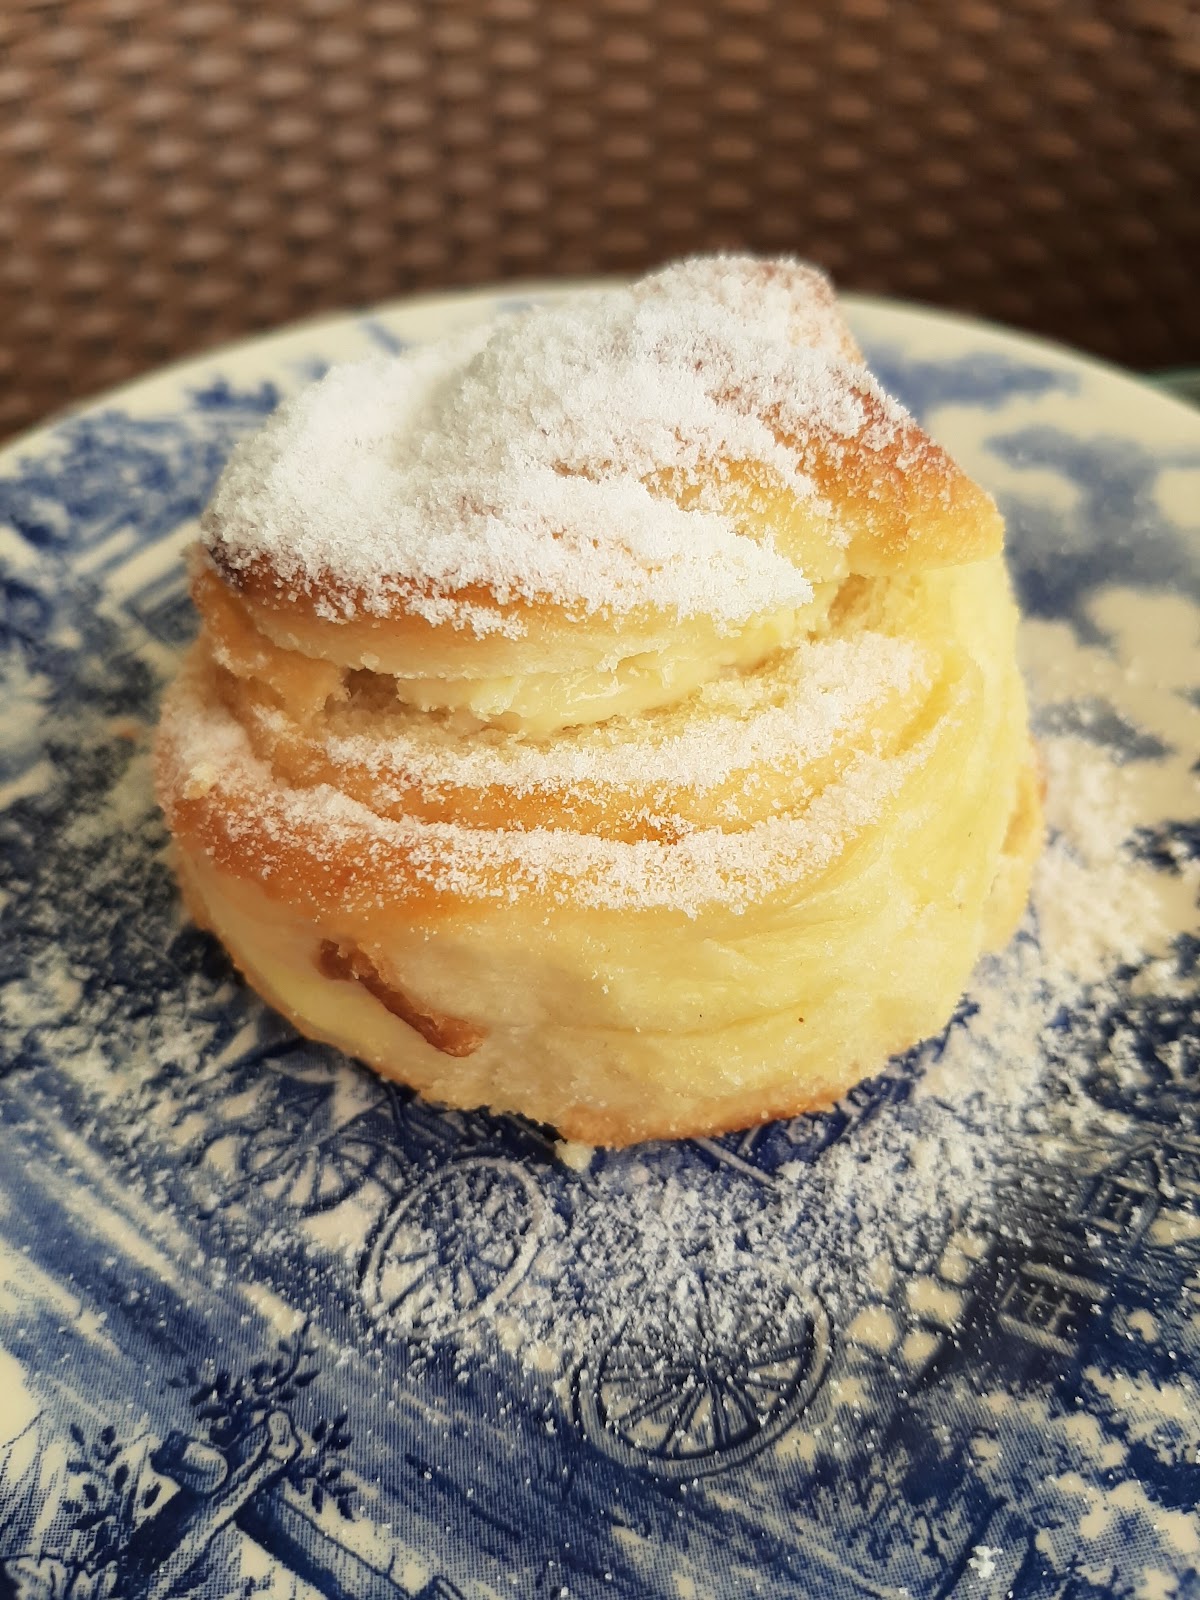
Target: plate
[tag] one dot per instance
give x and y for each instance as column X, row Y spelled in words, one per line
column 1182, row 381
column 269, row 1326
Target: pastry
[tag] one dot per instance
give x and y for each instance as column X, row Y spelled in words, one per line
column 608, row 714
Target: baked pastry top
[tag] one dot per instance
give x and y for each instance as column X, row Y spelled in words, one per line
column 609, row 713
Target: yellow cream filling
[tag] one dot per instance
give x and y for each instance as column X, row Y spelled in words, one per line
column 540, row 703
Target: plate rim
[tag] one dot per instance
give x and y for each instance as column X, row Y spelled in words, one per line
column 183, row 367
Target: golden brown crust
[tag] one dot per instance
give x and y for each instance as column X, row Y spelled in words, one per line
column 348, row 964
column 896, row 504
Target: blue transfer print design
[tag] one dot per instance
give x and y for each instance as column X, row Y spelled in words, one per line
column 983, row 379
column 1091, row 718
column 103, row 476
column 310, row 370
column 382, row 337
column 1059, row 558
column 261, row 1312
column 1170, row 845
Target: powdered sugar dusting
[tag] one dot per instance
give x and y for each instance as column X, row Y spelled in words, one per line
column 783, row 293
column 706, row 866
column 521, row 459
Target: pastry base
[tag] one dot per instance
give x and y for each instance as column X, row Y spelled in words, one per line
column 533, row 998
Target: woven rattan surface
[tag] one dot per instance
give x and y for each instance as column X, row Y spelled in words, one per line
column 178, row 172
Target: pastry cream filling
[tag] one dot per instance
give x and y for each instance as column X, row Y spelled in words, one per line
column 579, row 681
column 539, row 703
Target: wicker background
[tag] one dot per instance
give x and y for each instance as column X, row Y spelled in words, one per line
column 177, row 172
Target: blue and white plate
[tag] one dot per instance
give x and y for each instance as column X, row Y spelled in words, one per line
column 269, row 1326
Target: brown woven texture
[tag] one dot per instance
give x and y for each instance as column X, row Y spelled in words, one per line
column 174, row 173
